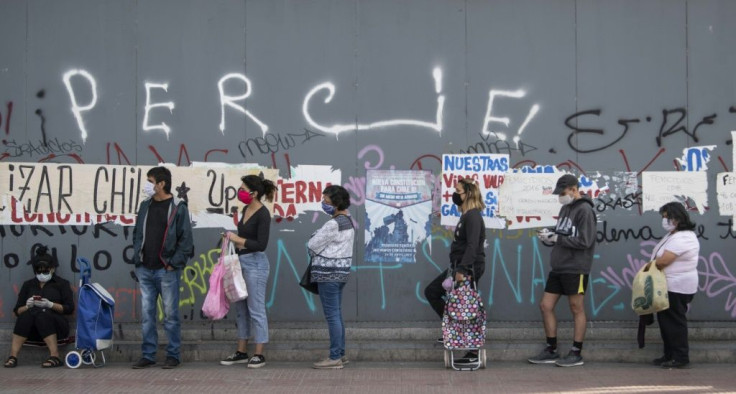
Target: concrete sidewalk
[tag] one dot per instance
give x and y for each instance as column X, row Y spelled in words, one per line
column 374, row 378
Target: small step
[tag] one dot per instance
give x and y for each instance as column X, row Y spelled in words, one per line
column 405, row 351
column 421, row 331
column 392, row 341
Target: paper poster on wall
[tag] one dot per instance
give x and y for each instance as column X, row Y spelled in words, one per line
column 302, row 190
column 488, row 170
column 726, row 192
column 398, row 209
column 661, row 187
column 526, row 200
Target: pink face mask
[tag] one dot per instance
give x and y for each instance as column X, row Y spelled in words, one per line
column 244, row 196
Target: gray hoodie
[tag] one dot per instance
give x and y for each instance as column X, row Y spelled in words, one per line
column 576, row 233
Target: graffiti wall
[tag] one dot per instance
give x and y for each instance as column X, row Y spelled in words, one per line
column 621, row 93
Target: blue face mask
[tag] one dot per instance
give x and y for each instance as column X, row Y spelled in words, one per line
column 329, row 209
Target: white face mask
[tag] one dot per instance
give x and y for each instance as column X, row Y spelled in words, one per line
column 148, row 190
column 564, row 199
column 667, row 226
column 43, row 278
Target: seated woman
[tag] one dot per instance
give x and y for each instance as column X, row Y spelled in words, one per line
column 41, row 303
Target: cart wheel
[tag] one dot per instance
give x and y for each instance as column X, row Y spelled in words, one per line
column 73, row 359
column 88, row 357
column 447, row 358
column 482, row 355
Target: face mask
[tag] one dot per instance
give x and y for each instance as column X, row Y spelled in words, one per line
column 43, row 278
column 244, row 197
column 564, row 199
column 148, row 189
column 457, row 199
column 667, row 226
column 329, row 209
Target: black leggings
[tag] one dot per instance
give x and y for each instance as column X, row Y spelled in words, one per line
column 434, row 293
column 38, row 324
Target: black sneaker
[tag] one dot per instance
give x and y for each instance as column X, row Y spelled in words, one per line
column 469, row 358
column 235, row 358
column 547, row 356
column 658, row 361
column 143, row 363
column 573, row 359
column 675, row 364
column 171, row 363
column 440, row 340
column 257, row 361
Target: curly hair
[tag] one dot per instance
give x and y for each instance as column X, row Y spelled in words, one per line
column 339, row 196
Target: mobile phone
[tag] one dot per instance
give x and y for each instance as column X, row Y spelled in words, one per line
column 37, row 297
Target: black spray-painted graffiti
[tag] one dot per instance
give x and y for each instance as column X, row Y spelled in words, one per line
column 275, row 142
column 672, row 123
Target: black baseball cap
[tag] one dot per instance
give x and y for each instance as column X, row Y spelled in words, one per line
column 564, row 182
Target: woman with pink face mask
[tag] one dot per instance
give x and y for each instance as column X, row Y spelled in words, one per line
column 250, row 243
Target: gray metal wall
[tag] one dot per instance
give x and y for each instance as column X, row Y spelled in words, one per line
column 638, row 70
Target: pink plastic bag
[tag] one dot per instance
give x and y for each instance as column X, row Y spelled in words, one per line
column 216, row 305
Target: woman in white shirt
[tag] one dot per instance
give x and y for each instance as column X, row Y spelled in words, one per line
column 677, row 255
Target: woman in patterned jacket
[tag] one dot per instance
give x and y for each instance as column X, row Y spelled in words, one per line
column 331, row 250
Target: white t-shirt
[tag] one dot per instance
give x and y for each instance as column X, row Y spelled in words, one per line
column 682, row 274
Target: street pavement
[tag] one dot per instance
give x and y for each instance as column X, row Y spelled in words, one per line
column 371, row 377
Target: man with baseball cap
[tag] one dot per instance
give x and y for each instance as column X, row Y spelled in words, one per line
column 573, row 240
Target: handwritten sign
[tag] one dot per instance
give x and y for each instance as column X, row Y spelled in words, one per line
column 661, row 187
column 529, row 195
column 488, row 170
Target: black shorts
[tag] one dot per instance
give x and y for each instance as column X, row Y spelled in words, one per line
column 566, row 284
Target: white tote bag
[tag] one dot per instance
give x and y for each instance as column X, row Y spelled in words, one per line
column 233, row 280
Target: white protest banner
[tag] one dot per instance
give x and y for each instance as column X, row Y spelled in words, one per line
column 487, row 170
column 302, row 191
column 661, row 187
column 66, row 194
column 726, row 192
column 527, row 201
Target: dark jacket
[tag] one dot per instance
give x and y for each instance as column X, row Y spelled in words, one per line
column 466, row 252
column 56, row 290
column 178, row 245
column 575, row 229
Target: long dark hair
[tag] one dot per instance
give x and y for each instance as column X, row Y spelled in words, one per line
column 264, row 187
column 676, row 211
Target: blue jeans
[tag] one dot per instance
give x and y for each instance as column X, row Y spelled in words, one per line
column 330, row 295
column 155, row 283
column 252, row 310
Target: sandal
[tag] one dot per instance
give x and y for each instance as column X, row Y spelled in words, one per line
column 51, row 362
column 11, row 362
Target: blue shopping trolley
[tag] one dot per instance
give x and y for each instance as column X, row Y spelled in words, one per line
column 95, row 311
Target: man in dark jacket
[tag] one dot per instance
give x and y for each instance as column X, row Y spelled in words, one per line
column 162, row 245
column 572, row 255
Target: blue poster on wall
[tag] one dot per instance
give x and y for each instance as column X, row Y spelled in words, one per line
column 398, row 210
